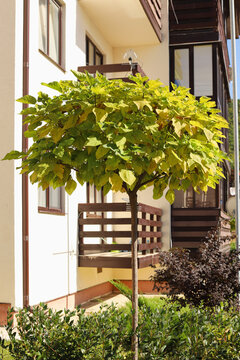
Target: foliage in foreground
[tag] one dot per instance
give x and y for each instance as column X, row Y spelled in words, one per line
column 209, row 279
column 166, row 331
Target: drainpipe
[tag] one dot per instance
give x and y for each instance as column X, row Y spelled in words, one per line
column 235, row 122
column 25, row 210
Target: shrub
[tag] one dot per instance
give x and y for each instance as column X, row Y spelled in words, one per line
column 167, row 331
column 210, row 279
column 46, row 334
column 173, row 332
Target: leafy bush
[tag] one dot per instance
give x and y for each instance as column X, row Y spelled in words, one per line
column 45, row 334
column 210, row 279
column 166, row 331
column 173, row 332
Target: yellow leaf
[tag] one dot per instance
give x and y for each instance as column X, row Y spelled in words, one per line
column 116, row 182
column 151, row 167
column 59, row 170
column 57, row 134
column 33, row 177
column 70, row 186
column 127, row 176
column 100, row 114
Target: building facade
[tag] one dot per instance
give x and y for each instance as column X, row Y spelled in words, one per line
column 41, row 41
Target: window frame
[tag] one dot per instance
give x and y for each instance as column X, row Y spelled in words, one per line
column 190, row 47
column 59, row 62
column 96, row 52
column 55, row 211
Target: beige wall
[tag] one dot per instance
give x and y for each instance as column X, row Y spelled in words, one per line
column 7, row 95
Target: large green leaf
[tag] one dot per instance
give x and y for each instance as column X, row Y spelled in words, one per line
column 170, row 196
column 127, row 176
column 27, row 99
column 70, row 186
column 101, row 151
column 14, row 155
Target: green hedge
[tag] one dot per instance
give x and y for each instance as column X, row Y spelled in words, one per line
column 166, row 331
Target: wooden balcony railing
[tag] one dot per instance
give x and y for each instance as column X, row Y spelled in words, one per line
column 223, row 38
column 190, row 226
column 133, row 68
column 117, row 254
column 152, row 9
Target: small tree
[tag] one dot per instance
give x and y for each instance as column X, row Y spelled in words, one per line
column 122, row 137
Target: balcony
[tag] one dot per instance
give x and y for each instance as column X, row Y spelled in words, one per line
column 107, row 240
column 191, row 225
column 125, row 22
column 193, row 21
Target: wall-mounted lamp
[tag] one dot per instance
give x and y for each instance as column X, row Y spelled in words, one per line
column 131, row 56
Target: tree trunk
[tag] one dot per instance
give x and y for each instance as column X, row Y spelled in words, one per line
column 134, row 211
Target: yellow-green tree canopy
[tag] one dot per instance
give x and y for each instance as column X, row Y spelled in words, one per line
column 122, row 136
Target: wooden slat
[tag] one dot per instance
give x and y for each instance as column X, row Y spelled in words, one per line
column 141, row 234
column 104, row 262
column 158, row 229
column 80, row 238
column 105, row 247
column 100, row 221
column 194, row 223
column 143, row 230
column 183, row 5
column 99, row 234
column 149, row 246
column 102, row 207
column 149, row 209
column 111, row 68
column 194, row 25
column 150, row 222
column 116, row 261
column 151, row 14
column 148, row 260
column 189, row 234
column 196, row 212
column 148, row 234
column 209, row 13
column 121, row 247
column 151, row 230
column 187, row 244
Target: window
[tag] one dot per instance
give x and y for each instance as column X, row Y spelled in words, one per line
column 94, row 196
column 181, row 71
column 192, row 67
column 191, row 199
column 51, row 200
column 93, row 55
column 203, row 70
column 50, row 29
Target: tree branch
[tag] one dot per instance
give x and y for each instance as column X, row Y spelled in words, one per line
column 150, row 180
